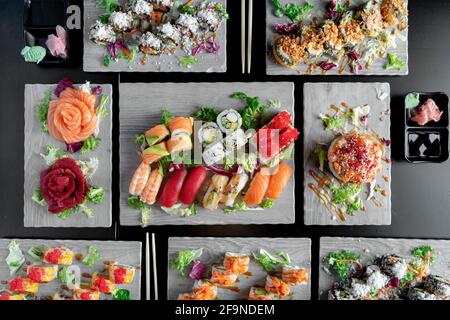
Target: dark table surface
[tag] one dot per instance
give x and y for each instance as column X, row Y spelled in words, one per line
column 420, row 192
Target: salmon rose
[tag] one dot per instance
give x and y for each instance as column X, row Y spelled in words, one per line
column 63, row 185
column 72, row 117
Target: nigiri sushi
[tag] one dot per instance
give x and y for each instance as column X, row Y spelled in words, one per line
column 181, row 125
column 172, row 188
column 278, row 181
column 234, row 187
column 121, row 274
column 236, row 263
column 294, row 275
column 41, row 274
column 179, row 142
column 277, row 286
column 156, row 134
column 155, row 153
column 204, row 290
column 152, row 187
column 259, row 294
column 258, row 187
column 221, row 276
column 215, row 191
column 139, row 179
column 23, row 286
column 102, row 284
column 192, row 184
column 59, row 256
column 86, row 294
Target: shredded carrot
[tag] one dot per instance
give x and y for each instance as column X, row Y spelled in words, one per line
column 188, row 4
column 127, row 53
column 157, row 16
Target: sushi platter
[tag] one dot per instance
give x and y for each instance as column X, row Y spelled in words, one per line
column 252, row 283
column 356, row 115
column 392, row 261
column 69, row 269
column 155, row 36
column 52, row 146
column 136, row 117
column 362, row 37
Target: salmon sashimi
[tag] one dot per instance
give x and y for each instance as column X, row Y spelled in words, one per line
column 72, row 117
column 179, row 142
column 154, row 153
column 192, row 184
column 139, row 179
column 278, row 181
column 152, row 187
column 181, row 125
column 258, row 187
column 156, row 134
column 172, row 188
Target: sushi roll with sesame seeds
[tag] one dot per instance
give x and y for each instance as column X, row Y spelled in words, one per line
column 151, row 44
column 169, row 33
column 121, row 21
column 102, row 33
column 140, row 8
column 188, row 24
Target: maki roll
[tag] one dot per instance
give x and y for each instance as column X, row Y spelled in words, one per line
column 179, row 142
column 214, row 154
column 288, row 50
column 186, row 296
column 204, row 290
column 155, row 153
column 121, row 274
column 313, row 39
column 277, row 287
column 257, row 293
column 156, row 134
column 333, row 43
column 151, row 44
column 181, row 125
column 102, row 284
column 340, row 292
column 359, row 289
column 375, row 279
column 209, row 133
column 394, row 13
column 215, row 192
column 236, row 263
column 169, row 33
column 210, row 18
column 438, row 286
column 221, row 276
column 86, row 294
column 23, row 286
column 420, row 294
column 351, row 31
column 9, row 296
column 235, row 140
column 294, row 275
column 42, row 274
column 229, row 121
column 59, row 256
column 372, row 20
column 188, row 24
column 140, row 8
column 121, row 21
column 102, row 33
column 162, row 5
column 233, row 189
column 392, row 265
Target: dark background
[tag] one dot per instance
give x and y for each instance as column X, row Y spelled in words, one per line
column 420, row 192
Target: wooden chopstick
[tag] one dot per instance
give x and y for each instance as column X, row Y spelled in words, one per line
column 249, row 36
column 147, row 267
column 243, row 26
column 155, row 271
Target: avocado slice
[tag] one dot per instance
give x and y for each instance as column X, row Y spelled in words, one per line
column 159, row 149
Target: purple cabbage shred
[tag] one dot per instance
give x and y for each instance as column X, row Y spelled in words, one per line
column 198, row 270
column 285, row 28
column 62, row 85
column 97, row 90
column 327, row 65
column 113, row 48
column 74, row 147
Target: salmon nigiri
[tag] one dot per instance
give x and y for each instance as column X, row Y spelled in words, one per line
column 156, row 134
column 152, row 187
column 181, row 125
column 278, row 181
column 258, row 187
column 139, row 179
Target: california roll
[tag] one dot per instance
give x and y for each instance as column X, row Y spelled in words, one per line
column 209, row 133
column 229, row 121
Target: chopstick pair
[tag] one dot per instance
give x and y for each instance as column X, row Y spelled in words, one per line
column 246, row 52
column 147, row 267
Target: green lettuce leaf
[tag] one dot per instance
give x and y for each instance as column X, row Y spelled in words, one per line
column 184, row 259
column 92, row 257
column 15, row 258
column 269, row 261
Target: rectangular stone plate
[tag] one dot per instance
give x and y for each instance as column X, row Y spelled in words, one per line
column 214, row 249
column 123, row 252
column 35, row 143
column 140, row 109
column 377, row 68
column 317, row 99
column 94, row 54
column 369, row 248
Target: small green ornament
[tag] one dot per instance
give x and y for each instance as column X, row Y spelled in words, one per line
column 33, row 54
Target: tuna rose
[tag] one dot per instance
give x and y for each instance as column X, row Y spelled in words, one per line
column 63, row 185
column 72, row 117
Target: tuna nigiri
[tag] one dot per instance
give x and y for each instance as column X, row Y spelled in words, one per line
column 172, row 188
column 215, row 191
column 181, row 125
column 139, row 179
column 152, row 187
column 278, row 181
column 258, row 187
column 234, row 187
column 192, row 184
column 156, row 134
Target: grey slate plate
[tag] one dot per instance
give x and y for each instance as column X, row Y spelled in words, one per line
column 93, row 54
column 140, row 109
column 123, row 252
column 317, row 99
column 369, row 248
column 299, row 250
column 377, row 68
column 35, row 142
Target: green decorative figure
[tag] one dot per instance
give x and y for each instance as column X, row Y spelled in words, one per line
column 33, row 54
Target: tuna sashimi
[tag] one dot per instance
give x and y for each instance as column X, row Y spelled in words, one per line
column 427, row 112
column 278, row 181
column 172, row 188
column 192, row 184
column 258, row 187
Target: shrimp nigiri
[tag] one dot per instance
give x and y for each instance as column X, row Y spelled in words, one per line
column 139, row 179
column 192, row 184
column 152, row 187
column 258, row 187
column 278, row 181
column 172, row 188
